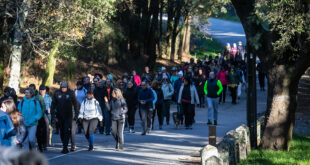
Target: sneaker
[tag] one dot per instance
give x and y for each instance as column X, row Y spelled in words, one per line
column 120, row 148
column 131, row 131
column 91, row 148
column 149, row 131
column 215, row 122
column 116, row 146
column 108, row 133
column 65, row 151
column 143, row 133
column 190, row 127
column 72, row 149
column 160, row 127
column 209, row 122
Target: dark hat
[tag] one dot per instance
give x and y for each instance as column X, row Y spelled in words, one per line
column 79, row 83
column 42, row 87
column 89, row 91
column 64, row 84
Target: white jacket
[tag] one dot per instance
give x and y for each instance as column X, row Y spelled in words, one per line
column 194, row 94
column 168, row 91
column 90, row 109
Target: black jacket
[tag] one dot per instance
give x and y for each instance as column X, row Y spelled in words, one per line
column 63, row 103
column 118, row 108
column 131, row 96
column 99, row 94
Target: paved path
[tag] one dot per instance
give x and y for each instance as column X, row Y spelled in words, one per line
column 224, row 31
column 167, row 146
column 170, row 145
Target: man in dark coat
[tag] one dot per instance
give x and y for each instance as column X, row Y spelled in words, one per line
column 63, row 101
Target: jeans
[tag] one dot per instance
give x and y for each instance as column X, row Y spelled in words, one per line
column 212, row 108
column 146, row 119
column 188, row 110
column 167, row 110
column 118, row 130
column 107, row 121
column 30, row 141
column 65, row 131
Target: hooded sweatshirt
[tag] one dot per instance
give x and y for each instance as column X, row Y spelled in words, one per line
column 7, row 130
column 90, row 109
column 31, row 110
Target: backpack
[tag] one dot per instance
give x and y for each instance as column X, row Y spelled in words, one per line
column 22, row 103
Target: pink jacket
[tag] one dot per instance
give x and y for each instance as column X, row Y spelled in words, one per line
column 221, row 75
column 137, row 80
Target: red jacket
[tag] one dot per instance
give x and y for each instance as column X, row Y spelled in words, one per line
column 221, row 75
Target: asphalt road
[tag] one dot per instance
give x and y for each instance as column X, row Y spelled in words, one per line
column 170, row 145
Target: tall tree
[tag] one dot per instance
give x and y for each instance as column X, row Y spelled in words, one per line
column 284, row 49
column 21, row 14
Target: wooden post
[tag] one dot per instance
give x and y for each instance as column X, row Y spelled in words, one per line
column 212, row 135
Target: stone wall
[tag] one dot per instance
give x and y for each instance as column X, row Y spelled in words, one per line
column 234, row 147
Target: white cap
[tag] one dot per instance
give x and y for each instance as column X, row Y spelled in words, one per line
column 180, row 73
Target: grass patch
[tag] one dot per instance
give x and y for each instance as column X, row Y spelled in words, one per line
column 299, row 154
column 202, row 45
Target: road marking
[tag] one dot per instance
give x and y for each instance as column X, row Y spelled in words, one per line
column 59, row 156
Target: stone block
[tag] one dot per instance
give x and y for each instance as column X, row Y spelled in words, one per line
column 207, row 152
column 236, row 144
column 214, row 161
column 226, row 150
column 244, row 141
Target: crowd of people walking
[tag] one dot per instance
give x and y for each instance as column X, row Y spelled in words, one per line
column 110, row 105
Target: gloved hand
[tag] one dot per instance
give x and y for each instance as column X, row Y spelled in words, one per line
column 79, row 121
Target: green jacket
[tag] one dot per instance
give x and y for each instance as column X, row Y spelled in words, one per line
column 40, row 99
column 234, row 78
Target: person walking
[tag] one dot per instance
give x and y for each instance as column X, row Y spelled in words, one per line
column 99, row 94
column 63, row 101
column 168, row 91
column 90, row 113
column 153, row 105
column 48, row 102
column 9, row 107
column 188, row 96
column 261, row 76
column 107, row 114
column 80, row 94
column 213, row 88
column 32, row 112
column 159, row 103
column 177, row 86
column 222, row 76
column 118, row 108
column 145, row 98
column 42, row 129
column 233, row 80
column 136, row 78
column 131, row 97
column 199, row 82
column 7, row 131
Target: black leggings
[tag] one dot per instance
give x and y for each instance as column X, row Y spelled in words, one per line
column 223, row 94
column 131, row 116
column 42, row 132
column 233, row 91
column 90, row 126
column 65, row 131
column 188, row 110
column 160, row 114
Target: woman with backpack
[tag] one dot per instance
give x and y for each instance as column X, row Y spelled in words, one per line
column 118, row 108
column 90, row 113
column 18, row 121
column 31, row 110
column 168, row 91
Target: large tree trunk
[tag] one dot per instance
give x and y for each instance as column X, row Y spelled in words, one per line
column 282, row 101
column 160, row 28
column 187, row 36
column 51, row 66
column 17, row 46
column 283, row 77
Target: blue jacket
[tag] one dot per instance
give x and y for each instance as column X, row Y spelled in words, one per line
column 147, row 96
column 7, row 130
column 31, row 111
